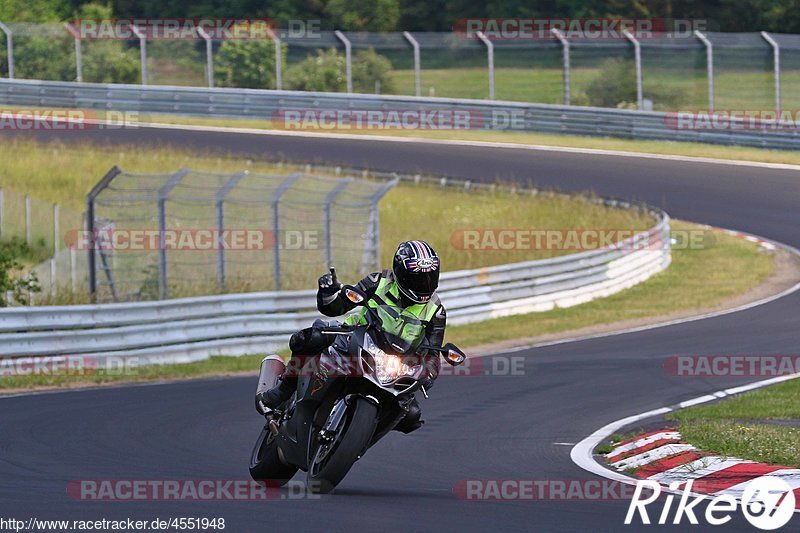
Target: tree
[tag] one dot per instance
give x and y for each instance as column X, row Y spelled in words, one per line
column 327, row 71
column 363, row 15
column 246, row 63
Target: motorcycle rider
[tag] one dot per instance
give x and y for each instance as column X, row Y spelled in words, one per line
column 409, row 287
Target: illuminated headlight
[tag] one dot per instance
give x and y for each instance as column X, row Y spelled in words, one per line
column 388, row 367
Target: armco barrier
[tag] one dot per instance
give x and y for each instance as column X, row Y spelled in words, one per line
column 190, row 329
column 265, row 104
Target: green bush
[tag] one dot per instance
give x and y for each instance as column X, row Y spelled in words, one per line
column 10, row 253
column 615, row 86
column 327, row 71
column 247, row 63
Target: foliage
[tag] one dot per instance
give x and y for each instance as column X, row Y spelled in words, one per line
column 327, row 71
column 246, row 63
column 10, row 253
column 615, row 86
column 363, row 15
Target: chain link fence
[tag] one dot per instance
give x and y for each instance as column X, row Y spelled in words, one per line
column 741, row 71
column 42, row 226
column 156, row 236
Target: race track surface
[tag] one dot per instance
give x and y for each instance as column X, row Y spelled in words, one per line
column 478, row 427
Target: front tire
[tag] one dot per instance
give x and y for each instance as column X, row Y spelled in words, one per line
column 332, row 461
column 265, row 465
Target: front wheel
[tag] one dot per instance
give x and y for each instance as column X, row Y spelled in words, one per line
column 265, row 465
column 334, row 458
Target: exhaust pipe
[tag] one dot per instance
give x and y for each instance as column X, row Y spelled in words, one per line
column 272, row 368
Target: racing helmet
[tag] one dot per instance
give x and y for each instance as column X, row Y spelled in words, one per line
column 416, row 270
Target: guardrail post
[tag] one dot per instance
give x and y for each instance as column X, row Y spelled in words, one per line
column 371, row 255
column 9, row 49
column 415, row 47
column 637, row 58
column 276, row 39
column 209, row 56
column 329, row 198
column 220, row 208
column 27, row 219
column 276, row 224
column 76, row 36
column 348, row 59
column 490, row 53
column 709, row 66
column 90, row 228
column 565, row 54
column 163, row 195
column 142, row 51
column 776, row 64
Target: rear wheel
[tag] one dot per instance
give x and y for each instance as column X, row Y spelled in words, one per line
column 266, row 465
column 334, row 457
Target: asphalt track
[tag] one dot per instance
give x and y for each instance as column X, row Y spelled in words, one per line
column 478, row 427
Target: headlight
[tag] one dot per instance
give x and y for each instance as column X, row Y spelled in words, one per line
column 388, row 367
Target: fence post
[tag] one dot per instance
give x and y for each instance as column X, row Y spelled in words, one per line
column 9, row 49
column 53, row 276
column 278, row 58
column 90, row 229
column 637, row 58
column 276, row 224
column 163, row 195
column 142, row 51
column 565, row 53
column 709, row 67
column 78, row 55
column 27, row 219
column 371, row 257
column 56, row 228
column 776, row 63
column 209, row 56
column 220, row 209
column 490, row 53
column 331, row 196
column 73, row 275
column 348, row 59
column 415, row 46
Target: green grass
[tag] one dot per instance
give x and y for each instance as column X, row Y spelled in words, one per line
column 734, row 427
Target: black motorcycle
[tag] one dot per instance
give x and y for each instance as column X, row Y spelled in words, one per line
column 350, row 397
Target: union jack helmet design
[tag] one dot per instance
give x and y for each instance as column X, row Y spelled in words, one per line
column 416, row 270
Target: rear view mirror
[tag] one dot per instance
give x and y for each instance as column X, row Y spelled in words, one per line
column 453, row 354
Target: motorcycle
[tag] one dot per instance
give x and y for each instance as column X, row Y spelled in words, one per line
column 357, row 391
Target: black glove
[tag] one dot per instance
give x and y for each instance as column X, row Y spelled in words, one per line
column 328, row 284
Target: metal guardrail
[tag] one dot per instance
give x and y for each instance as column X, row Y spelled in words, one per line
column 268, row 105
column 191, row 329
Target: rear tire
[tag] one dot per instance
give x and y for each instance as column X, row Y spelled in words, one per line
column 265, row 465
column 328, row 467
